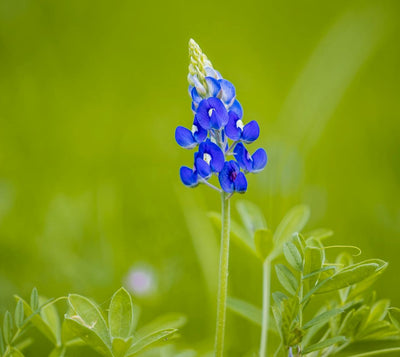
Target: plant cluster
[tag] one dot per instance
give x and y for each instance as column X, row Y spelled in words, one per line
column 111, row 334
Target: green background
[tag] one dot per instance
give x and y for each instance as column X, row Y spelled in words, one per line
column 91, row 93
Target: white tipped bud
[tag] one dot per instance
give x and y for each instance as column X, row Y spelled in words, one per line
column 197, row 67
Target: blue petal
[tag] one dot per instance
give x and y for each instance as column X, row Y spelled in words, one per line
column 224, row 177
column 195, row 96
column 259, row 160
column 231, row 130
column 228, row 91
column 240, row 183
column 242, row 157
column 237, row 109
column 202, row 114
column 185, row 138
column 200, row 134
column 217, row 157
column 188, row 176
column 203, row 168
column 219, row 115
column 251, row 132
column 213, row 86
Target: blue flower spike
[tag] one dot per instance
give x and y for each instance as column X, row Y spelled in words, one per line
column 218, row 128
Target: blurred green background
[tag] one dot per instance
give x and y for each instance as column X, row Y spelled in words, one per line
column 91, row 93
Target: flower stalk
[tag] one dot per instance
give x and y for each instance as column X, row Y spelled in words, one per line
column 265, row 307
column 223, row 276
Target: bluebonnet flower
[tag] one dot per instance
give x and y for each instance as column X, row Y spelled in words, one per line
column 217, row 119
column 251, row 163
column 232, row 179
column 209, row 159
column 211, row 114
column 189, row 139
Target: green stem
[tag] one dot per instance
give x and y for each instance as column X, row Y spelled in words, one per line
column 223, row 277
column 265, row 307
column 377, row 352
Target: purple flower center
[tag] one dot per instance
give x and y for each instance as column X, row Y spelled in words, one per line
column 233, row 175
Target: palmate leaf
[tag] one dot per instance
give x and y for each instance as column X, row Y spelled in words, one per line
column 120, row 314
column 286, row 278
column 289, row 310
column 150, row 340
column 38, row 321
column 87, row 322
column 379, row 310
column 352, row 274
column 378, row 330
column 313, row 261
column 354, row 321
column 293, row 256
column 323, row 318
column 87, row 334
column 324, row 344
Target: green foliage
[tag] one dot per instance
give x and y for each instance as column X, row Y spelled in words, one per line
column 306, row 324
column 85, row 324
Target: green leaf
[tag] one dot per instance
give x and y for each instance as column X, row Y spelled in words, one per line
column 354, row 320
column 286, row 278
column 19, row 314
column 37, row 321
column 379, row 310
column 319, row 271
column 251, row 216
column 87, row 334
column 163, row 322
column 393, row 316
column 87, row 314
column 278, row 319
column 49, row 315
column 378, row 330
column 322, row 318
column 293, row 256
column 149, row 341
column 294, row 221
column 34, row 299
column 289, row 312
column 263, row 242
column 245, row 309
column 120, row 314
column 278, row 297
column 353, row 274
column 326, row 343
column 120, row 346
column 7, row 327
